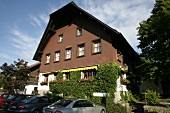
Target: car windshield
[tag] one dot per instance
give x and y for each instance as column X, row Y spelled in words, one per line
column 11, row 97
column 29, row 99
column 62, row 102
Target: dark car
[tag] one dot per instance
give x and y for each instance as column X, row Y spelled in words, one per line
column 33, row 104
column 14, row 98
column 3, row 97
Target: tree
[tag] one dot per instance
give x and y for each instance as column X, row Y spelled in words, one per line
column 154, row 41
column 15, row 75
column 1, row 82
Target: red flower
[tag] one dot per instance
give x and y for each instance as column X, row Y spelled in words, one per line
column 61, row 81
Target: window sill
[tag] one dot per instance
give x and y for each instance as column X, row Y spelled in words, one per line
column 96, row 53
column 47, row 63
column 80, row 56
column 78, row 35
column 67, row 59
column 56, row 61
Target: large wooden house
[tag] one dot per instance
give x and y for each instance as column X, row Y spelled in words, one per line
column 74, row 40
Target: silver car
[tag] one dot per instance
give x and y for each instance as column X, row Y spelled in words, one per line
column 73, row 106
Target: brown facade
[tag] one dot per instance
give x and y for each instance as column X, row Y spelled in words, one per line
column 64, row 23
column 70, row 40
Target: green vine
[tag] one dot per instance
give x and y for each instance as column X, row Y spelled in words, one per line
column 104, row 82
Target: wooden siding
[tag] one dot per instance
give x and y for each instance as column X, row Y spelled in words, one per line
column 70, row 39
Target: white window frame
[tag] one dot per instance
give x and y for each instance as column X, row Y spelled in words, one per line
column 97, row 46
column 68, row 53
column 47, row 58
column 79, row 31
column 81, row 50
column 57, row 56
column 60, row 38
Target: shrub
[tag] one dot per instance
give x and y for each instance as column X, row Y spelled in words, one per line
column 116, row 108
column 152, row 97
column 124, row 96
column 104, row 82
column 133, row 98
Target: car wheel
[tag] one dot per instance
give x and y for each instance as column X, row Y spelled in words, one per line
column 102, row 111
column 36, row 111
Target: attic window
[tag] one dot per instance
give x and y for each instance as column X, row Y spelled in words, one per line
column 79, row 31
column 60, row 38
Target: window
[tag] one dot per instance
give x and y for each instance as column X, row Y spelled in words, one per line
column 55, row 75
column 47, row 59
column 62, row 102
column 60, row 38
column 119, row 56
column 79, row 31
column 57, row 56
column 80, row 50
column 66, row 76
column 83, row 103
column 45, row 77
column 68, row 53
column 97, row 46
column 88, row 74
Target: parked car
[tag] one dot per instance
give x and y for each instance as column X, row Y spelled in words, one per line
column 3, row 97
column 14, row 98
column 33, row 104
column 73, row 106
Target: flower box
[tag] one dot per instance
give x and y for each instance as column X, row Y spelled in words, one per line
column 44, row 83
column 53, row 81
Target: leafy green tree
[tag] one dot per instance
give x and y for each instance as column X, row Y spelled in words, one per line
column 1, row 82
column 15, row 75
column 154, row 41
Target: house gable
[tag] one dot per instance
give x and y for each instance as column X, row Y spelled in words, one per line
column 71, row 14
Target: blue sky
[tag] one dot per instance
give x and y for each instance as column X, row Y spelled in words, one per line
column 22, row 22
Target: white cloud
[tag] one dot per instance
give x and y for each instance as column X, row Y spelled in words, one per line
column 25, row 45
column 44, row 17
column 35, row 20
column 122, row 15
column 4, row 56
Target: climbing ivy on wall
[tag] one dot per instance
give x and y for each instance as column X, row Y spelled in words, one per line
column 104, row 82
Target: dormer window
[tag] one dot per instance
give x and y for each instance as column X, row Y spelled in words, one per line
column 60, row 38
column 79, row 31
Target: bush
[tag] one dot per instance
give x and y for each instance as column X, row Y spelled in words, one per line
column 152, row 97
column 133, row 98
column 116, row 108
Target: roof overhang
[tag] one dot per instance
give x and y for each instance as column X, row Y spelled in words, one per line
column 63, row 17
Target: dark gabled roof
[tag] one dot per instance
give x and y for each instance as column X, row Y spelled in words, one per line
column 67, row 13
column 34, row 66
